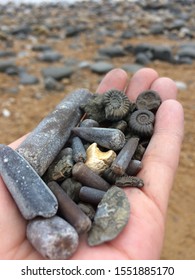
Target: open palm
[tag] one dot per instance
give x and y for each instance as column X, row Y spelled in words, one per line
column 142, row 238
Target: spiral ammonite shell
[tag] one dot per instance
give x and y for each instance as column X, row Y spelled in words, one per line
column 141, row 123
column 117, row 104
column 148, row 99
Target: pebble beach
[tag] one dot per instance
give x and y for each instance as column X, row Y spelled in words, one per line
column 49, row 50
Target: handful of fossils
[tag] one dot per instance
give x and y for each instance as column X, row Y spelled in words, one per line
column 68, row 175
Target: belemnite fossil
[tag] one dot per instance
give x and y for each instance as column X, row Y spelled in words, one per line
column 68, row 177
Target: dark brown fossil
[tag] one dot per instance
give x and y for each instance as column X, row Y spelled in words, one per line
column 148, row 99
column 129, row 181
column 69, row 209
column 117, row 104
column 142, row 123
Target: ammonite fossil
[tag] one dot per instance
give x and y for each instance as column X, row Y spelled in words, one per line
column 117, row 104
column 148, row 99
column 141, row 123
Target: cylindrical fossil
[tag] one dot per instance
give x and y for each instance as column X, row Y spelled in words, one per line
column 53, row 238
column 31, row 194
column 82, row 173
column 69, row 209
column 91, row 195
column 109, row 138
column 122, row 160
column 44, row 143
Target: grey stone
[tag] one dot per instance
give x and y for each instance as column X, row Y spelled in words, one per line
column 162, row 53
column 187, row 51
column 101, row 67
column 30, row 193
column 157, row 28
column 27, row 79
column 7, row 53
column 113, row 51
column 132, row 68
column 52, row 85
column 41, row 48
column 58, row 72
column 111, row 217
column 53, row 238
column 5, row 64
column 142, row 58
column 50, row 56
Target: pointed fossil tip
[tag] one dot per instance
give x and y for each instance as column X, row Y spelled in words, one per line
column 109, row 138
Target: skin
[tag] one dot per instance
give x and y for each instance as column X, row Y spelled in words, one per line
column 142, row 238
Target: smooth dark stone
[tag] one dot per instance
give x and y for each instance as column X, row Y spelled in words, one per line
column 142, row 58
column 27, row 79
column 5, row 64
column 50, row 56
column 132, row 68
column 58, row 72
column 187, row 52
column 162, row 53
column 157, row 28
column 7, row 53
column 101, row 67
column 53, row 85
column 30, row 193
column 53, row 238
column 23, row 29
column 41, row 48
column 113, row 51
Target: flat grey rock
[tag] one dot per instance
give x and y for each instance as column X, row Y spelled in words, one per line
column 50, row 56
column 111, row 217
column 101, row 67
column 58, row 72
column 113, row 51
column 28, row 79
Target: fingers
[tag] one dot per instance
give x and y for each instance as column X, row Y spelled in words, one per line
column 161, row 158
column 116, row 78
column 166, row 87
column 16, row 143
column 141, row 80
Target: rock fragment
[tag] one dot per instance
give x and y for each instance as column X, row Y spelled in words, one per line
column 111, row 217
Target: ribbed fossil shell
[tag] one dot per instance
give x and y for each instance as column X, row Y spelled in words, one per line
column 148, row 99
column 141, row 122
column 117, row 104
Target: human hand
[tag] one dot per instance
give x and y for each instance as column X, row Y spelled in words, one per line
column 142, row 238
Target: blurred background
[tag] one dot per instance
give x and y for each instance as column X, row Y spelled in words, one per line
column 49, row 49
